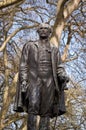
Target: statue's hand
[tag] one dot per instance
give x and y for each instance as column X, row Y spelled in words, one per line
column 24, row 86
column 64, row 79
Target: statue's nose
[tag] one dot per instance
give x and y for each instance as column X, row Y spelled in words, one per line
column 42, row 29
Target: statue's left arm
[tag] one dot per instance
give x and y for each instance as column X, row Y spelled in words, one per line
column 61, row 73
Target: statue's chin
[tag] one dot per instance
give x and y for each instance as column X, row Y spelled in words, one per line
column 44, row 37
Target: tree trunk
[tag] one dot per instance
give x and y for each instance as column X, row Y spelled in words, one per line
column 63, row 13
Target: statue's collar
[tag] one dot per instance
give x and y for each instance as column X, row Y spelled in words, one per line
column 51, row 44
column 36, row 43
column 48, row 48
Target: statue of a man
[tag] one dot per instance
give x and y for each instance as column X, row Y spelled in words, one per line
column 41, row 81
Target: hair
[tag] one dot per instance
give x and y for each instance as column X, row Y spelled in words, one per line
column 44, row 25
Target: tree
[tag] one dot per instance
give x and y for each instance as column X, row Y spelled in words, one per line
column 19, row 19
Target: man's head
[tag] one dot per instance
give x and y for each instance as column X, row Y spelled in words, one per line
column 44, row 30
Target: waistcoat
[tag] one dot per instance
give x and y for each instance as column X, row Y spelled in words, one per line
column 44, row 61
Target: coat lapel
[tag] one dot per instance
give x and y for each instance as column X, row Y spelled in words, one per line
column 36, row 44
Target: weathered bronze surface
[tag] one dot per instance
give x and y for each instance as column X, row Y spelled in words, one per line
column 41, row 81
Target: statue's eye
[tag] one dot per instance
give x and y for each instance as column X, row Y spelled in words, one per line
column 46, row 28
column 41, row 28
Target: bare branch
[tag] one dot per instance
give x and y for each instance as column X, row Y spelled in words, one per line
column 71, row 59
column 64, row 56
column 49, row 2
column 5, row 106
column 62, row 15
column 70, row 7
column 14, row 33
column 6, row 3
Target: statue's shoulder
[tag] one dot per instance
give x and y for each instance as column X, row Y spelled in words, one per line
column 28, row 44
column 56, row 48
column 32, row 43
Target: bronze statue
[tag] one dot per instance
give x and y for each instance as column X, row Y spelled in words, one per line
column 41, row 81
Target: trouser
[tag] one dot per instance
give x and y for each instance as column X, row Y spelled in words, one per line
column 44, row 123
column 32, row 123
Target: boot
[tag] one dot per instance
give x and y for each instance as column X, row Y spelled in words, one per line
column 44, row 123
column 31, row 122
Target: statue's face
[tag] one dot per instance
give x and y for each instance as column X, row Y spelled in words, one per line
column 44, row 32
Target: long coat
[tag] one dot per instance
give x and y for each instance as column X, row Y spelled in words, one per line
column 29, row 59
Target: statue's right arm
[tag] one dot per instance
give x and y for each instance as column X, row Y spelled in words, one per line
column 23, row 67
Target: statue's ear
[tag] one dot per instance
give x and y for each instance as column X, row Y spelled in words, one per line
column 50, row 30
column 37, row 30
